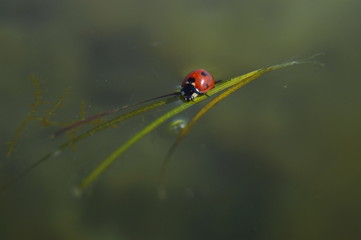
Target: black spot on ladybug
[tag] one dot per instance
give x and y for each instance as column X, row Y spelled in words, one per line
column 203, row 73
column 191, row 80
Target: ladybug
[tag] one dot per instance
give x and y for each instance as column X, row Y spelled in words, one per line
column 196, row 83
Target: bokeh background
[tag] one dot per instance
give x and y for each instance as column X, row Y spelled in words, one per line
column 279, row 159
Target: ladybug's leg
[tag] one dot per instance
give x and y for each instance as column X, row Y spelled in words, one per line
column 201, row 94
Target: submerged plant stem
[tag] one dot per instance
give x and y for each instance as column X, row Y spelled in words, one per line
column 38, row 101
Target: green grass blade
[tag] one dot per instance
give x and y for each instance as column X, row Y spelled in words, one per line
column 111, row 158
column 235, row 82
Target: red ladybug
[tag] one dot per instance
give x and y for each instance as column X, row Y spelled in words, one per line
column 196, row 83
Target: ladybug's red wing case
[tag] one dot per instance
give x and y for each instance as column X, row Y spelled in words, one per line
column 195, row 83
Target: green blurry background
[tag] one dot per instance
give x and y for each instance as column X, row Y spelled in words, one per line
column 280, row 159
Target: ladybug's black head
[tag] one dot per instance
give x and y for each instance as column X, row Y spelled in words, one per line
column 189, row 92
